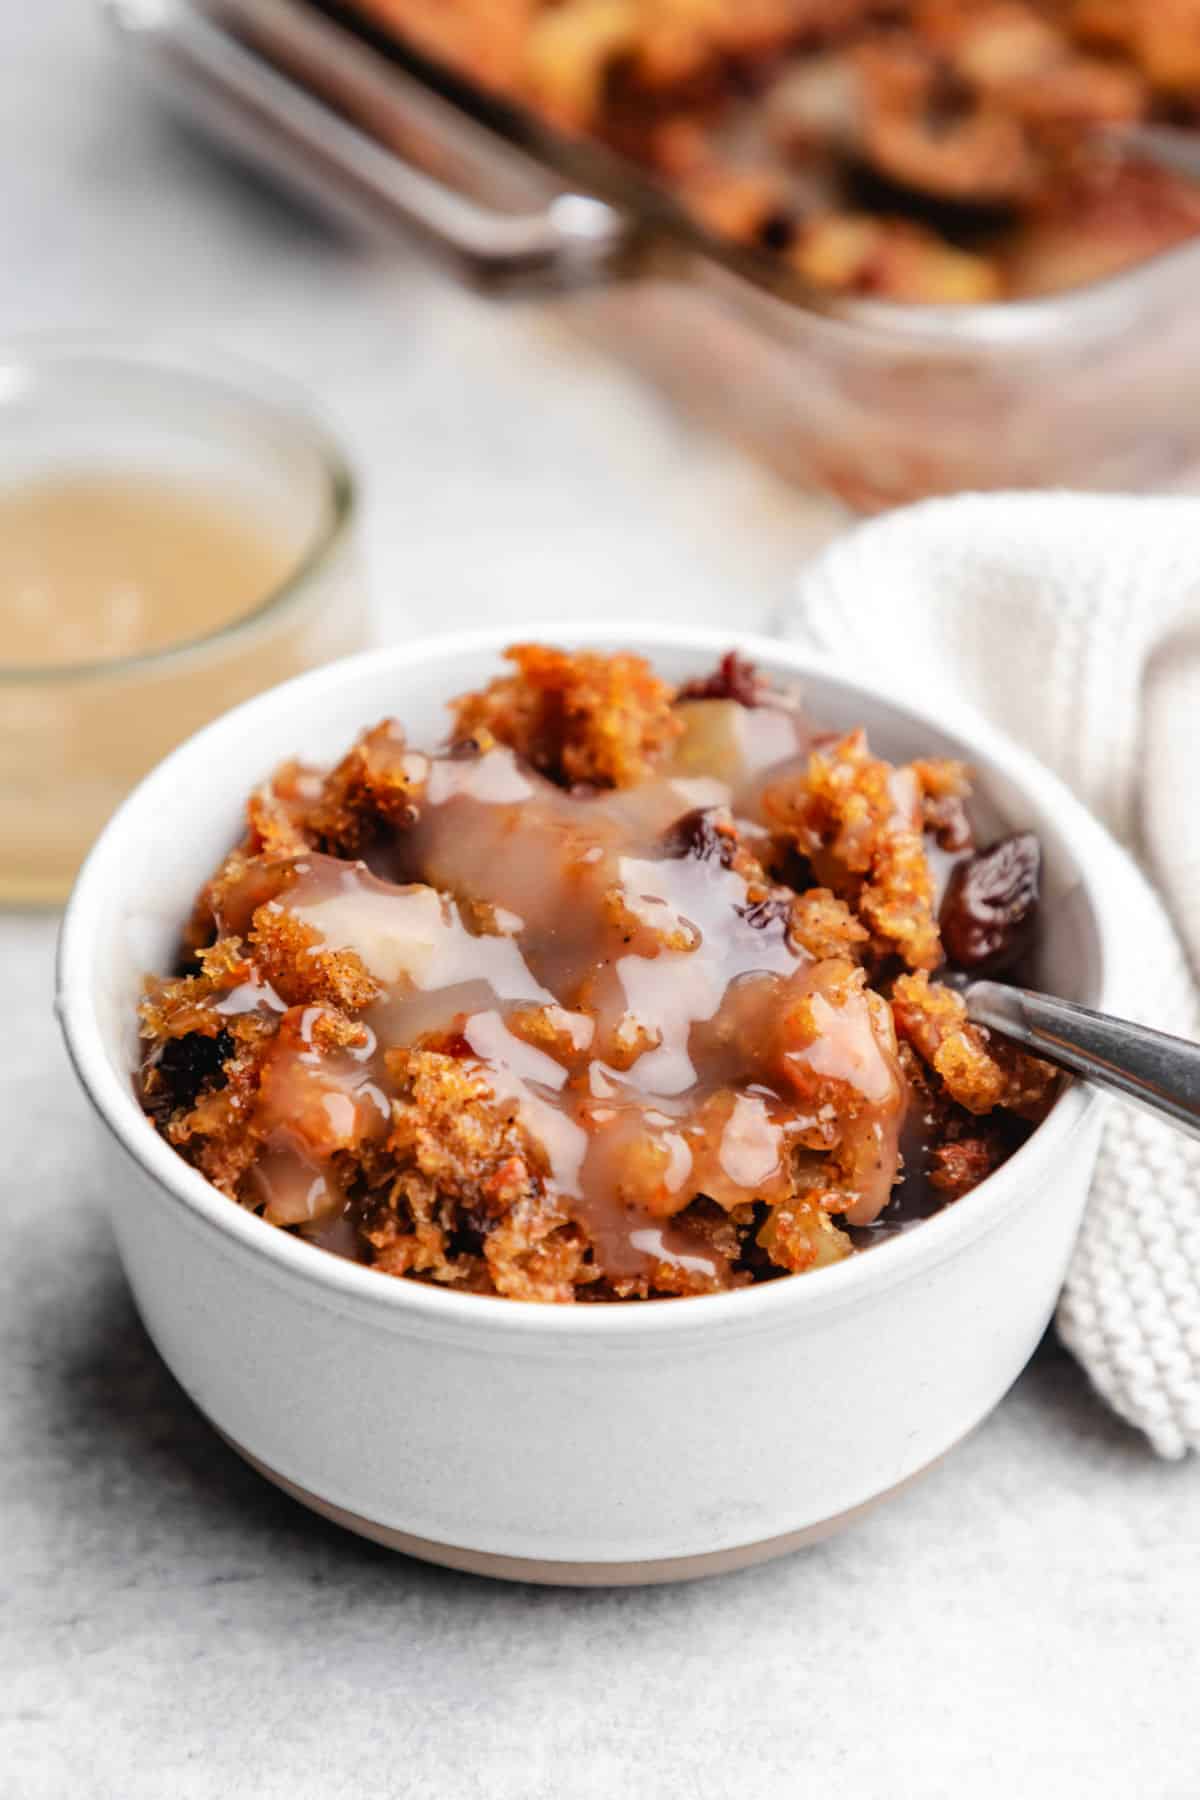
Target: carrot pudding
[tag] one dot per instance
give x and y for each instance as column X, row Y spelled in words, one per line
column 624, row 992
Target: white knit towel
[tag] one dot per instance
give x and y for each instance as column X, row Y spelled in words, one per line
column 1073, row 622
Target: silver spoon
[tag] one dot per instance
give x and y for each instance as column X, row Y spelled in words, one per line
column 1154, row 1070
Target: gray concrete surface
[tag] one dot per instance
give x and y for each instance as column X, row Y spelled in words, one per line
column 1024, row 1621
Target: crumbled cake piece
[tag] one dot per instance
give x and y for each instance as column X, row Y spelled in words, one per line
column 977, row 1072
column 858, row 821
column 598, row 1002
column 603, row 720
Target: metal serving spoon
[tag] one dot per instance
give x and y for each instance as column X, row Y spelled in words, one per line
column 1158, row 1072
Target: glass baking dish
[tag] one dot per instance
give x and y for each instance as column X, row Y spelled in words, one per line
column 874, row 401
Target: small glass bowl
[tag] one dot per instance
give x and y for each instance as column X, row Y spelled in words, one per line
column 74, row 738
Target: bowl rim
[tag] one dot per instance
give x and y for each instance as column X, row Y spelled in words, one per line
column 331, row 1279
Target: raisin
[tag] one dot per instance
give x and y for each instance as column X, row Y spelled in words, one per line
column 793, row 870
column 734, row 678
column 468, row 1235
column 950, row 100
column 990, row 909
column 704, row 834
column 947, row 819
column 189, row 1064
column 777, row 232
column 774, row 909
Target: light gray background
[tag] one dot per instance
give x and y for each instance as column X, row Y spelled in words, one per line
column 1025, row 1621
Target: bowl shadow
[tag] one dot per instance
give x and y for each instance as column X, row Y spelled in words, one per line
column 121, row 1411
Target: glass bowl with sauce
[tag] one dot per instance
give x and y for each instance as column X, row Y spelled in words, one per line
column 173, row 539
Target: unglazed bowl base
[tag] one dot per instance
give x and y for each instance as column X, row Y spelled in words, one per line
column 549, row 1573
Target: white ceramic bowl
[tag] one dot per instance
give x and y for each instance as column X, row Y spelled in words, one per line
column 587, row 1444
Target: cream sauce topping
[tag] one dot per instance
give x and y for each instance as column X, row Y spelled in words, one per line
column 680, row 1049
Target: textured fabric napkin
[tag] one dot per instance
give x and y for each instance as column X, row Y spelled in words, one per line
column 1073, row 622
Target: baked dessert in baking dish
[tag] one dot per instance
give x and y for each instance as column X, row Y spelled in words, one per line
column 944, row 151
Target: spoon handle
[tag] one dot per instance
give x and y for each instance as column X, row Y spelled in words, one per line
column 1156, row 1071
